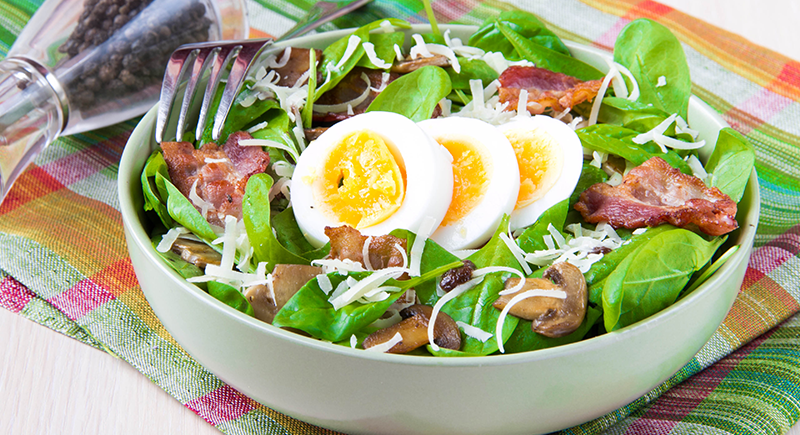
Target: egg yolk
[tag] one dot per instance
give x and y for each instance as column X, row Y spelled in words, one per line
column 470, row 176
column 540, row 161
column 362, row 183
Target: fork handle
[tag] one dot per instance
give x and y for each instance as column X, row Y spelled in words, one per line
column 321, row 13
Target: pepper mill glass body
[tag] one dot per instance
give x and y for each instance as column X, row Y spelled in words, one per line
column 80, row 65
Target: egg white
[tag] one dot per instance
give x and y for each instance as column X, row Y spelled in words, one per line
column 429, row 175
column 500, row 196
column 572, row 153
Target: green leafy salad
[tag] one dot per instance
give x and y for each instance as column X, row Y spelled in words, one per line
column 416, row 193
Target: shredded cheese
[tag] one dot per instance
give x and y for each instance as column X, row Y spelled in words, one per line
column 387, row 345
column 360, row 288
column 168, row 239
column 369, row 49
column 474, row 332
column 452, row 294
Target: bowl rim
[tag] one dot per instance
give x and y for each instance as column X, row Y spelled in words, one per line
column 133, row 226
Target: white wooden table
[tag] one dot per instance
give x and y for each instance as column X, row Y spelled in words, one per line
column 52, row 384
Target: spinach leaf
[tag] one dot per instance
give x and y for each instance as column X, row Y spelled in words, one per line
column 471, row 69
column 230, row 296
column 524, row 339
column 414, row 95
column 613, row 139
column 650, row 51
column 731, row 163
column 310, row 311
column 184, row 212
column 332, row 72
column 527, row 25
column 384, row 48
column 651, row 278
column 634, row 115
column 603, row 267
column 474, row 306
column 290, row 236
column 256, row 216
column 544, row 57
column 433, row 257
column 152, row 191
column 532, row 238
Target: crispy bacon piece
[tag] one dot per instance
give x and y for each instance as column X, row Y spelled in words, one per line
column 351, row 87
column 221, row 173
column 655, row 193
column 347, row 242
column 545, row 89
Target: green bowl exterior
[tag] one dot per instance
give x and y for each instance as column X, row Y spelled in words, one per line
column 354, row 391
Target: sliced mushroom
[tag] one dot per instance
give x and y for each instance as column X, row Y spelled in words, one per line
column 414, row 331
column 197, row 253
column 287, row 279
column 410, row 65
column 549, row 316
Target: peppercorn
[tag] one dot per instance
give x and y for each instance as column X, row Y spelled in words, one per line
column 130, row 45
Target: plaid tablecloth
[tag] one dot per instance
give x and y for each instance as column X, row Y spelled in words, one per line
column 64, row 264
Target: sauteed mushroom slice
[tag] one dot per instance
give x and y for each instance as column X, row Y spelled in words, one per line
column 197, row 253
column 287, row 279
column 549, row 316
column 414, row 331
column 411, row 65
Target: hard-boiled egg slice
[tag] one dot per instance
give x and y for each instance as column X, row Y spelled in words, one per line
column 376, row 172
column 485, row 180
column 549, row 156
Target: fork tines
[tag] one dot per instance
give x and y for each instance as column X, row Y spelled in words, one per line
column 199, row 61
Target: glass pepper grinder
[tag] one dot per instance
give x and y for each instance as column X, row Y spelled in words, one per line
column 79, row 65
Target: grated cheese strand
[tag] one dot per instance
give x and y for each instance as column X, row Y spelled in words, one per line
column 452, row 294
column 386, row 345
column 474, row 332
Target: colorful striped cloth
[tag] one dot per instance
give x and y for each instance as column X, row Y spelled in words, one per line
column 63, row 260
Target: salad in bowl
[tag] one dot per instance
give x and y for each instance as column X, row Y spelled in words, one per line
column 569, row 226
column 497, row 189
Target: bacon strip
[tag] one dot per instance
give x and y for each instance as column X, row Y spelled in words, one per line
column 655, row 193
column 221, row 173
column 545, row 89
column 347, row 242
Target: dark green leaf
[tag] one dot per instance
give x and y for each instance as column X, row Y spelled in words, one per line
column 414, row 95
column 546, row 58
column 731, row 163
column 230, row 296
column 490, row 38
column 471, row 69
column 524, row 339
column 651, row 278
column 256, row 215
column 650, row 51
column 634, row 115
column 154, row 194
column 618, row 140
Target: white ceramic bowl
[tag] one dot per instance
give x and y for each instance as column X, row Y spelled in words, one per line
column 355, row 391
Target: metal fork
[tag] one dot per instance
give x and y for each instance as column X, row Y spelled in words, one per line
column 213, row 59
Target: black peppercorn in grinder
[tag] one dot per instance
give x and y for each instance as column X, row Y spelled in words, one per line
column 79, row 65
